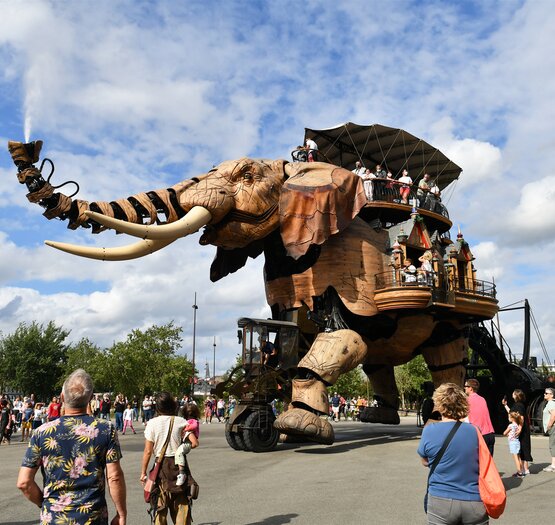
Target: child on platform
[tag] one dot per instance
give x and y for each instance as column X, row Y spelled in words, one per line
column 191, row 434
column 512, row 432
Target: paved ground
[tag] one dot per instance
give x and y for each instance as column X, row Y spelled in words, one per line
column 370, row 475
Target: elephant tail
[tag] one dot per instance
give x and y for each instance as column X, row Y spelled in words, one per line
column 156, row 206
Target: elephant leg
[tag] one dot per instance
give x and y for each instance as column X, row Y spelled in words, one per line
column 447, row 361
column 386, row 394
column 331, row 355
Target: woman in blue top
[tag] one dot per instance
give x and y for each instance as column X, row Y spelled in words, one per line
column 454, row 497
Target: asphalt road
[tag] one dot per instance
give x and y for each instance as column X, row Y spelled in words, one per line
column 371, row 475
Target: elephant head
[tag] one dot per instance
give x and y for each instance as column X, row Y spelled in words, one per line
column 239, row 203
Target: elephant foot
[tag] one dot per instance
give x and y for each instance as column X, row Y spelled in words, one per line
column 299, row 422
column 385, row 415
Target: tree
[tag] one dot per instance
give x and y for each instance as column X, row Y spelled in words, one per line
column 351, row 384
column 33, row 359
column 176, row 377
column 409, row 378
column 85, row 354
column 140, row 364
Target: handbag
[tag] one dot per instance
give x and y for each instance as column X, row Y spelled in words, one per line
column 192, row 485
column 438, row 459
column 151, row 484
column 492, row 490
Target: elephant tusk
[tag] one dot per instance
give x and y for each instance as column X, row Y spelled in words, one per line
column 190, row 223
column 122, row 253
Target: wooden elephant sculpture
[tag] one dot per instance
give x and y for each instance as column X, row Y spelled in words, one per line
column 319, row 256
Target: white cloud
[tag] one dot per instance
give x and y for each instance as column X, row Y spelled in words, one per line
column 535, row 213
column 134, row 96
column 489, row 263
column 481, row 161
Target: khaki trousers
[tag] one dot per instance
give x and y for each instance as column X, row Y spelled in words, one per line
column 176, row 504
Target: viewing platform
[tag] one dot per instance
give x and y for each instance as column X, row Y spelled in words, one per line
column 385, row 203
column 471, row 298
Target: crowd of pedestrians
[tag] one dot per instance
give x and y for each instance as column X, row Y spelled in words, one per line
column 452, row 452
column 348, row 407
column 76, row 438
column 218, row 408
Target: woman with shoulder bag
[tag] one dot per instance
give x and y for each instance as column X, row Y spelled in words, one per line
column 164, row 432
column 450, row 449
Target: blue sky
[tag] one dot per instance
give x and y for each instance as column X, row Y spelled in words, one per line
column 131, row 96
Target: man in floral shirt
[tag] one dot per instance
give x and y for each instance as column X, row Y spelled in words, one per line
column 74, row 452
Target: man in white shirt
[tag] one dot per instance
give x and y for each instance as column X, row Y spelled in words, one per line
column 359, row 170
column 312, row 150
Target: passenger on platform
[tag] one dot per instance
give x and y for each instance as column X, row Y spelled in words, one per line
column 380, row 173
column 426, row 271
column 478, row 413
column 423, row 189
column 409, row 272
column 368, row 184
column 406, row 183
column 434, row 198
column 359, row 170
column 389, row 187
column 312, row 150
column 300, row 154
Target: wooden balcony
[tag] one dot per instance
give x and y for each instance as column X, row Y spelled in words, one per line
column 385, row 204
column 475, row 301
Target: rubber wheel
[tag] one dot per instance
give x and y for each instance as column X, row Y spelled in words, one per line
column 262, row 437
column 234, row 440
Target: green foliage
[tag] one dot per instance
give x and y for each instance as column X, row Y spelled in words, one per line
column 32, row 359
column 176, row 377
column 86, row 355
column 145, row 361
column 353, row 383
column 409, row 378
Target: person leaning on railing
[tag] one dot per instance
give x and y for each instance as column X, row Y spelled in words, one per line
column 368, row 184
column 422, row 191
column 406, row 183
column 409, row 272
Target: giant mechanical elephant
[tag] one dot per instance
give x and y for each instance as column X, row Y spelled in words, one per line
column 319, row 255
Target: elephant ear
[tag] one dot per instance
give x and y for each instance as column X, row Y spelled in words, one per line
column 317, row 200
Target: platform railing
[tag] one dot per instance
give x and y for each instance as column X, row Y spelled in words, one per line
column 397, row 278
column 476, row 286
column 388, row 190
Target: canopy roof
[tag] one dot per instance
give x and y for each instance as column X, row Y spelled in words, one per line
column 395, row 149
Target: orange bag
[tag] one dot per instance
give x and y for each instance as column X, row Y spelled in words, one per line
column 492, row 490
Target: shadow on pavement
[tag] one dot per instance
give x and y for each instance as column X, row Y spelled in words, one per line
column 348, row 442
column 275, row 520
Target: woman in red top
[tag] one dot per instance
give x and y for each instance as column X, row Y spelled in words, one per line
column 53, row 411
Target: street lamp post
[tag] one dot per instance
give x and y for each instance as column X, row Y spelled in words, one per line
column 214, row 364
column 195, row 308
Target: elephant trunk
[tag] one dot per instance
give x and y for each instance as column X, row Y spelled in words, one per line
column 125, row 215
column 139, row 208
